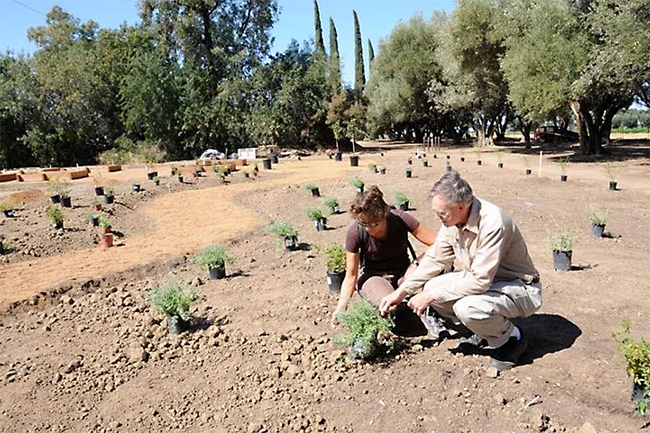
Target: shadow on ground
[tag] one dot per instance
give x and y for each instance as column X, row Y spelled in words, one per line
column 547, row 333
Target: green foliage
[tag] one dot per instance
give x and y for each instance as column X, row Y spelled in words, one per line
column 282, row 230
column 314, row 214
column 55, row 214
column 7, row 206
column 334, row 60
column 596, row 215
column 399, row 198
column 109, row 191
column 318, row 32
column 336, row 258
column 372, row 167
column 173, row 299
column 214, row 257
column 331, row 204
column 357, row 183
column 561, row 241
column 611, row 171
column 563, row 162
column 6, row 246
column 103, row 221
column 359, row 72
column 91, row 216
column 637, row 355
column 310, row 186
column 365, row 329
column 54, row 184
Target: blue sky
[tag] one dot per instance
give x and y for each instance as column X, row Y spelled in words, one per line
column 377, row 18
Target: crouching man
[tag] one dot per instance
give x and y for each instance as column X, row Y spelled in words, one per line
column 496, row 280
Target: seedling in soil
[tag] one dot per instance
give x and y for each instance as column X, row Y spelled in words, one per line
column 401, row 200
column 313, row 188
column 174, row 300
column 332, row 205
column 596, row 215
column 563, row 162
column 358, row 184
column 215, row 258
column 6, row 246
column 287, row 235
column 561, row 243
column 637, row 355
column 372, row 168
column 317, row 216
column 365, row 331
column 55, row 214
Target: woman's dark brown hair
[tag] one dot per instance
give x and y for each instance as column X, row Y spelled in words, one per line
column 370, row 202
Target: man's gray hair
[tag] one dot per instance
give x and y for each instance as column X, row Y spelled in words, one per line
column 453, row 188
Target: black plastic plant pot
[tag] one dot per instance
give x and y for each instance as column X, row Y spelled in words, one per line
column 66, row 202
column 217, row 273
column 462, row 159
column 409, row 173
column 404, row 206
column 528, row 171
column 335, row 280
column 597, row 230
column 410, row 161
column 320, row 224
column 563, row 178
column 448, row 168
column 156, row 182
column 338, row 157
column 479, row 162
column 8, row 213
column 435, row 156
column 425, row 163
column 151, row 175
column 176, row 325
column 267, row 164
column 638, row 392
column 612, row 185
column 354, row 160
column 173, row 171
column 382, row 171
column 274, row 159
column 180, row 179
column 58, row 225
column 335, row 209
column 55, row 198
column 562, row 260
column 500, row 165
column 99, row 191
column 109, row 199
column 448, row 157
column 136, row 187
column 424, row 155
column 290, row 243
column 315, row 192
column 94, row 221
column 359, row 190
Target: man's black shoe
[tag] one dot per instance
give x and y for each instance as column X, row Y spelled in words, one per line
column 474, row 340
column 507, row 356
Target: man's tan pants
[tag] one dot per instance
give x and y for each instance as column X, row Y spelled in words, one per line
column 488, row 314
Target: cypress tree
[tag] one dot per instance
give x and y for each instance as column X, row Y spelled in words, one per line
column 335, row 60
column 318, row 31
column 359, row 74
column 371, row 54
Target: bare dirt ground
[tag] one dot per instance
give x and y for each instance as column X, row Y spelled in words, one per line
column 80, row 350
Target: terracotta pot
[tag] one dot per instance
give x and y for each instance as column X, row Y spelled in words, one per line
column 107, row 240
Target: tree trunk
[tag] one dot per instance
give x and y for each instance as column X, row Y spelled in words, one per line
column 525, row 128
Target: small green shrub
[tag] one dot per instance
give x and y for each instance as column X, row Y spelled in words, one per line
column 364, row 329
column 91, row 216
column 6, row 246
column 336, row 258
column 637, row 355
column 156, row 179
column 372, row 167
column 611, row 171
column 357, row 183
column 561, row 241
column 282, row 230
column 310, row 186
column 214, row 257
column 54, row 184
column 564, row 162
column 332, row 204
column 6, row 206
column 103, row 221
column 399, row 198
column 597, row 216
column 55, row 214
column 96, row 201
column 173, row 299
column 109, row 191
column 315, row 214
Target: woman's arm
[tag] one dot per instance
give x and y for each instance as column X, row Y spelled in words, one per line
column 349, row 282
column 424, row 234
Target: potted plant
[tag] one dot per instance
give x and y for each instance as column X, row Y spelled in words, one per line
column 561, row 243
column 409, row 161
column 286, row 234
column 136, row 187
column 152, row 175
column 335, row 264
column 54, row 185
column 365, row 331
column 8, row 209
column 97, row 206
column 499, row 155
column 563, row 165
column 109, row 195
column 93, row 219
column 156, row 180
column 598, row 220
column 477, row 151
column 64, row 193
column 317, row 217
column 611, row 171
column 274, row 158
column 462, row 155
column 104, row 223
column 267, row 164
column 382, row 170
column 6, row 246
column 99, row 190
column 425, row 163
column 637, row 356
column 332, row 205
column 401, row 200
column 174, row 300
column 408, row 172
column 246, row 174
column 315, row 192
column 372, row 167
column 448, row 166
column 55, row 214
column 358, row 184
column 526, row 161
column 215, row 258
column 354, row 160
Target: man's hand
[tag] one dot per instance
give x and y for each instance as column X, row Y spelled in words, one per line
column 389, row 303
column 420, row 302
column 335, row 320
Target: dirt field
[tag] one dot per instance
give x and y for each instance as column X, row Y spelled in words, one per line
column 81, row 351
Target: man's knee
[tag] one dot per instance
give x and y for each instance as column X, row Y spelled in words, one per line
column 471, row 309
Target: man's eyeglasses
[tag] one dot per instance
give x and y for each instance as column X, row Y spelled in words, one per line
column 368, row 223
column 442, row 215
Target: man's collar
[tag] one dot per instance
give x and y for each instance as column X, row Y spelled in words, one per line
column 472, row 220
